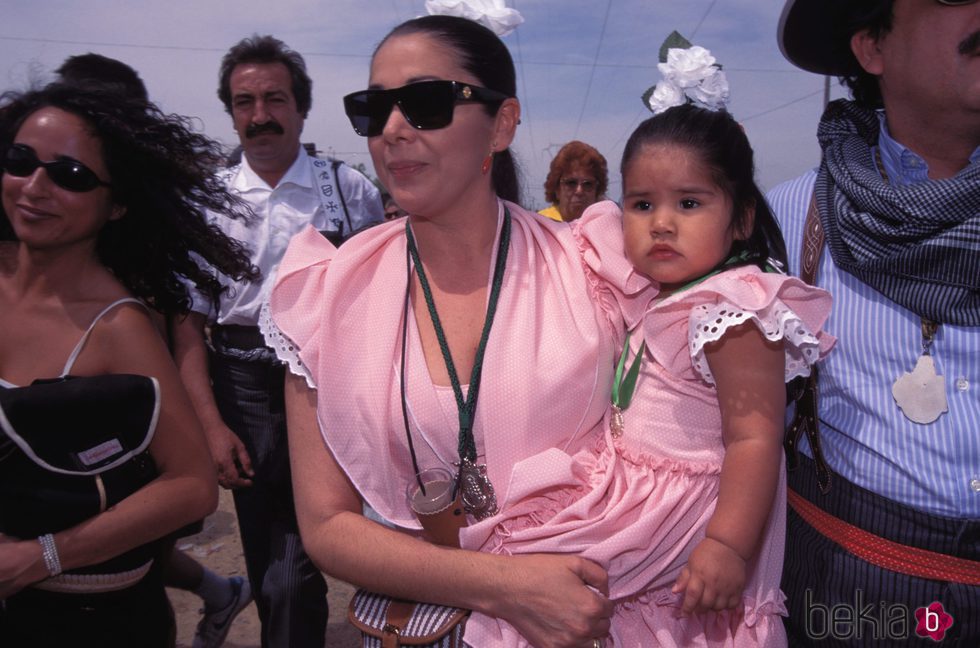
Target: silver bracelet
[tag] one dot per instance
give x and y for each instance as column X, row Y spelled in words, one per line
column 49, row 551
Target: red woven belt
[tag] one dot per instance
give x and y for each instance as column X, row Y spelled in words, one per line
column 880, row 552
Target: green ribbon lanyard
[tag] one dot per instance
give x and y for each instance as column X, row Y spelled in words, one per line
column 467, row 407
column 624, row 386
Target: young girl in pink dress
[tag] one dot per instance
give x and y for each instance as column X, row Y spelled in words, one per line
column 682, row 497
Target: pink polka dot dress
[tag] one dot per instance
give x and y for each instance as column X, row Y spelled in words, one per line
column 638, row 503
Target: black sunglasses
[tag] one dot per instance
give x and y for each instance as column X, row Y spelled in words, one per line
column 426, row 105
column 954, row 3
column 21, row 161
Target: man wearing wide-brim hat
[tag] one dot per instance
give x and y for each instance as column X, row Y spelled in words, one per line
column 883, row 535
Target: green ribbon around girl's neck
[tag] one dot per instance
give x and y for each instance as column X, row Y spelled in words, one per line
column 625, row 385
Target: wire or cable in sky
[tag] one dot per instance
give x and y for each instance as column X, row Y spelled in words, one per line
column 595, row 58
column 703, row 18
column 523, row 62
column 526, row 103
column 179, row 48
column 782, row 105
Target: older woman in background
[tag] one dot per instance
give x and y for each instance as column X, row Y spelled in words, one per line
column 578, row 177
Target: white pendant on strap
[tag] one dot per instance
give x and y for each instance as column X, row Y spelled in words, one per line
column 921, row 395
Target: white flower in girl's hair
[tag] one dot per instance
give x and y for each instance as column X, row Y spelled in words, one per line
column 492, row 14
column 712, row 92
column 665, row 95
column 687, row 67
column 691, row 75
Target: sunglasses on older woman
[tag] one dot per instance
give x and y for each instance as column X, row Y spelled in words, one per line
column 426, row 105
column 21, row 161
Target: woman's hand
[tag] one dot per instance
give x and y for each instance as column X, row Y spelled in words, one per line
column 712, row 579
column 557, row 601
column 21, row 564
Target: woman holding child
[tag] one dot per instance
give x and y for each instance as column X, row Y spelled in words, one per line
column 490, row 349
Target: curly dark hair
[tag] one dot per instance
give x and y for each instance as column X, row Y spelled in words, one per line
column 266, row 49
column 576, row 152
column 720, row 143
column 164, row 174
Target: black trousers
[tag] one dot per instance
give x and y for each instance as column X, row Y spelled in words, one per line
column 838, row 599
column 290, row 592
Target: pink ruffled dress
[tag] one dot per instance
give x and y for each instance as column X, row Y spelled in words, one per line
column 638, row 504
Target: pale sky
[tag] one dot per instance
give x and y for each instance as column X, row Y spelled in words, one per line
column 582, row 65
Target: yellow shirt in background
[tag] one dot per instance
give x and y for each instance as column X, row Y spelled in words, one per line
column 552, row 213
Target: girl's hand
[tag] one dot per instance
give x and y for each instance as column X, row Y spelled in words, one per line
column 712, row 579
column 21, row 564
column 560, row 601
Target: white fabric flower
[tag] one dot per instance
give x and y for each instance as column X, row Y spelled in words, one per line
column 712, row 92
column 492, row 14
column 666, row 95
column 686, row 67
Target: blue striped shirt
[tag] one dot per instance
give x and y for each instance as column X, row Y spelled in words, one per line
column 866, row 439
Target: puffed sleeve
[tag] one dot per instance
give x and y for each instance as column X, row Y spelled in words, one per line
column 622, row 293
column 290, row 319
column 781, row 307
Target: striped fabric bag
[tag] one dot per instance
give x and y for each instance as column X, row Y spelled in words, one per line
column 386, row 622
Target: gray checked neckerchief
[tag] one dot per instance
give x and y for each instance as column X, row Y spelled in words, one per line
column 919, row 245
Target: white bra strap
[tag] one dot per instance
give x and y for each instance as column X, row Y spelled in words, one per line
column 81, row 343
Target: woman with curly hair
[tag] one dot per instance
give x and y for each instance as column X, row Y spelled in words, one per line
column 577, row 178
column 103, row 216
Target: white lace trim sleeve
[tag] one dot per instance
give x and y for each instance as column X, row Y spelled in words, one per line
column 709, row 322
column 285, row 349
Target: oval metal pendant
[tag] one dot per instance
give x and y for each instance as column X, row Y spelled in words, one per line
column 477, row 493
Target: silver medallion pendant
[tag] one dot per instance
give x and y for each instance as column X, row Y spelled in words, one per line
column 476, row 490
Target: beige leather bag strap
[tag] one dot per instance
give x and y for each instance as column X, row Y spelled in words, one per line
column 805, row 419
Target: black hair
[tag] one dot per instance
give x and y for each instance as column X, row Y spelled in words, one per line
column 266, row 49
column 875, row 16
column 91, row 67
column 164, row 174
column 484, row 55
column 721, row 144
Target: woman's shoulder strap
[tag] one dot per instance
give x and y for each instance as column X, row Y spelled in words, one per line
column 81, row 343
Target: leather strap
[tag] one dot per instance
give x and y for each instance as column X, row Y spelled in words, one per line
column 806, row 419
column 813, row 240
column 399, row 612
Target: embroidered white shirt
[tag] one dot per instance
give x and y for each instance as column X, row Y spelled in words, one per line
column 280, row 213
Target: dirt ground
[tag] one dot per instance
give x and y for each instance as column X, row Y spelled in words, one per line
column 218, row 548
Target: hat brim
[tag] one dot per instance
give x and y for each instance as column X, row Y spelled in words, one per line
column 806, row 36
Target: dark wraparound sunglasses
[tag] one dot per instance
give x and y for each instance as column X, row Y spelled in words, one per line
column 953, row 3
column 21, row 161
column 426, row 105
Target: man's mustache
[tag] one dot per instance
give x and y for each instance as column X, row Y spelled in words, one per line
column 254, row 130
column 970, row 44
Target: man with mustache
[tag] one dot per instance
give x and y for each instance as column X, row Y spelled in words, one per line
column 236, row 382
column 883, row 532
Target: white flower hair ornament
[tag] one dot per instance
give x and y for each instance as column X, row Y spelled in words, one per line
column 691, row 75
column 492, row 14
